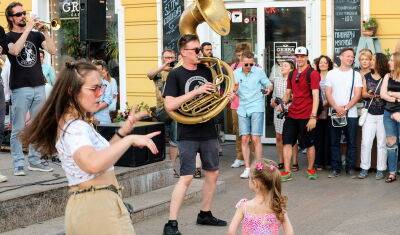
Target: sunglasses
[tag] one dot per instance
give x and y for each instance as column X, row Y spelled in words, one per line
column 19, row 14
column 297, row 77
column 97, row 89
column 250, row 64
column 196, row 50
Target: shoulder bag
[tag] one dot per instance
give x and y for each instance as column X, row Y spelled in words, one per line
column 364, row 111
column 341, row 121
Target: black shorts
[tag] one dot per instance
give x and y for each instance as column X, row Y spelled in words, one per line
column 208, row 150
column 296, row 130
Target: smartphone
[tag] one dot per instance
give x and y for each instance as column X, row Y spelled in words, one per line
column 172, row 64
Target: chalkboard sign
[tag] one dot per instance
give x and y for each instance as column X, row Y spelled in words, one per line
column 347, row 22
column 171, row 12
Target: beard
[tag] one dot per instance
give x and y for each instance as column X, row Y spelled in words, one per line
column 22, row 24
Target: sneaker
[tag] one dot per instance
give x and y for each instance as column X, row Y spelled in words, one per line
column 19, row 171
column 210, row 220
column 171, row 228
column 312, row 174
column 237, row 163
column 39, row 167
column 333, row 174
column 3, row 178
column 286, row 176
column 379, row 175
column 350, row 173
column 245, row 174
column 197, row 173
column 363, row 174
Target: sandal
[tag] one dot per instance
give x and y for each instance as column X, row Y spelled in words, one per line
column 390, row 178
column 280, row 166
column 295, row 167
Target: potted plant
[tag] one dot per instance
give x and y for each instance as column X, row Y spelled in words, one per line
column 369, row 27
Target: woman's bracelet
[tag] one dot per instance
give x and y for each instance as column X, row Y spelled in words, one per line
column 118, row 134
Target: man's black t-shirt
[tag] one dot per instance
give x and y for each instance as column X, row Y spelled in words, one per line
column 179, row 82
column 26, row 69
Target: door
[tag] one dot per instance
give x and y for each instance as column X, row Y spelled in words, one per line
column 272, row 29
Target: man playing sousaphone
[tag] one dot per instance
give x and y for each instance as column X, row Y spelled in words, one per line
column 184, row 83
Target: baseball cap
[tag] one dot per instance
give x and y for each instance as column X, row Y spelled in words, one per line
column 301, row 51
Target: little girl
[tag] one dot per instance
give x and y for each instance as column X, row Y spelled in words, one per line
column 266, row 212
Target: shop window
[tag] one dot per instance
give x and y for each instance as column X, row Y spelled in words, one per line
column 67, row 37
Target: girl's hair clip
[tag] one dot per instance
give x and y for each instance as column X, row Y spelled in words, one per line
column 259, row 166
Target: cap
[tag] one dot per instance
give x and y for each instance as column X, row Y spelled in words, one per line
column 301, row 51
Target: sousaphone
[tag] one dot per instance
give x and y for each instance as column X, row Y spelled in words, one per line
column 204, row 107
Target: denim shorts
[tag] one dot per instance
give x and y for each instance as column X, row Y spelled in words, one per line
column 188, row 150
column 251, row 124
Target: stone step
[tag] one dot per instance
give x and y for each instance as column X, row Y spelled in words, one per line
column 145, row 205
column 37, row 203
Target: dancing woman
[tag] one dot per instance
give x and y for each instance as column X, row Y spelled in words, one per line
column 94, row 205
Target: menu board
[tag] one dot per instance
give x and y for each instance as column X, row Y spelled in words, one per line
column 284, row 51
column 347, row 22
column 171, row 12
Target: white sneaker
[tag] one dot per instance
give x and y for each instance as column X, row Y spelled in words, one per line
column 3, row 178
column 245, row 174
column 237, row 163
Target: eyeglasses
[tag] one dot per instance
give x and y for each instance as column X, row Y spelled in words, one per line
column 297, row 77
column 97, row 89
column 169, row 57
column 196, row 50
column 250, row 64
column 19, row 14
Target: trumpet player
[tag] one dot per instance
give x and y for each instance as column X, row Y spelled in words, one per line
column 27, row 82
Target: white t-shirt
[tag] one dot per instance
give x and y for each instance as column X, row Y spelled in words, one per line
column 76, row 134
column 340, row 82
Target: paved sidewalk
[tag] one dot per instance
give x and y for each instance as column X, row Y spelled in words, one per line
column 325, row 206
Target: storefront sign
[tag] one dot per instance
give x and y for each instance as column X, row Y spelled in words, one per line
column 346, row 25
column 171, row 12
column 68, row 9
column 283, row 51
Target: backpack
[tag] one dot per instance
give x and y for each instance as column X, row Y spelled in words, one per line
column 308, row 77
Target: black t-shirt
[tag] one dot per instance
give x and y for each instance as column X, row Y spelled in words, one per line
column 179, row 82
column 26, row 70
column 393, row 86
column 3, row 41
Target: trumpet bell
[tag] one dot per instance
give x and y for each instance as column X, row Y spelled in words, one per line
column 55, row 24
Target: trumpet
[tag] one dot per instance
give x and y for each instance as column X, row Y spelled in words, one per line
column 54, row 24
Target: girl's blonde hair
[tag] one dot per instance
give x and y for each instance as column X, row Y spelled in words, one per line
column 267, row 174
column 396, row 63
column 365, row 52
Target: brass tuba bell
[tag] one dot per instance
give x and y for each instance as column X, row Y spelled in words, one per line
column 204, row 107
column 211, row 11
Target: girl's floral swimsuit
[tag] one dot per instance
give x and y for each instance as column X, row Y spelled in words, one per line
column 266, row 224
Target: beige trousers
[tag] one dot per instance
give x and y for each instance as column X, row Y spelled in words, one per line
column 97, row 212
